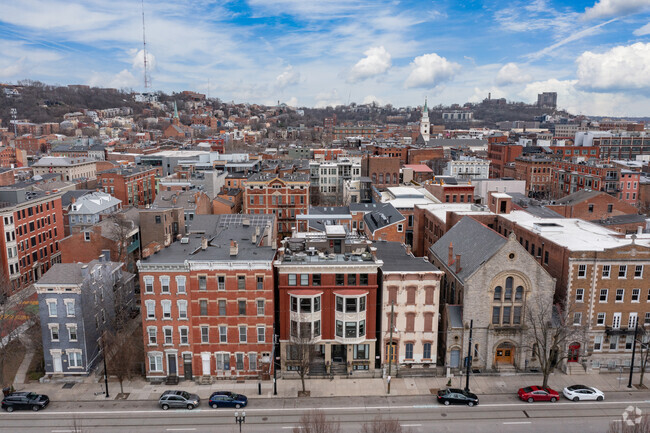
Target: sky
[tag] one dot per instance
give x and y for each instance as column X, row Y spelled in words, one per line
column 594, row 53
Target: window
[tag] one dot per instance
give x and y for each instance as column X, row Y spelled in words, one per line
column 294, row 304
column 182, row 309
column 221, row 283
column 69, row 307
column 577, row 318
column 613, row 342
column 292, row 279
column 51, row 307
column 361, row 351
column 242, row 334
column 647, row 319
column 180, row 285
column 339, row 304
column 317, row 328
column 261, row 334
column 183, row 333
column 632, row 320
column 638, row 271
column 87, row 236
column 74, row 359
column 622, row 271
column 72, row 332
column 516, row 315
column 591, row 208
column 223, row 361
column 304, row 279
column 519, row 293
column 598, row 342
column 203, row 307
column 152, row 331
column 600, row 319
column 239, row 360
column 241, row 282
column 580, row 293
column 260, row 283
column 54, row 332
column 339, row 328
column 241, row 305
column 252, row 359
column 629, row 339
column 260, row 307
column 164, row 284
column 606, row 270
column 582, row 271
column 636, row 295
column 203, row 282
column 305, row 305
column 148, row 284
column 546, row 257
column 400, row 228
column 340, row 279
column 620, row 294
column 223, row 334
column 352, row 279
column 166, row 309
column 168, row 335
column 222, row 307
column 508, row 294
column 616, row 321
column 497, row 293
column 155, row 363
column 350, row 329
column 505, row 318
column 426, row 351
column 205, row 334
column 315, row 280
column 150, row 306
column 363, row 279
column 603, row 295
column 408, row 350
column 496, row 315
column 610, row 208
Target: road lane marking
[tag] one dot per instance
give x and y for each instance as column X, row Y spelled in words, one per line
column 62, row 431
column 518, row 422
column 411, row 425
column 180, row 429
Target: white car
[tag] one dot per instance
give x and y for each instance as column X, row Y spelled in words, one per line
column 582, row 392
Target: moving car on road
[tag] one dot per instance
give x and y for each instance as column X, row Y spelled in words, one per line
column 456, row 396
column 25, row 400
column 582, row 392
column 182, row 399
column 537, row 393
column 227, row 399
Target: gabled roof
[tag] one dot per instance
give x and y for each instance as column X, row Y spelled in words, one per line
column 396, row 259
column 384, row 215
column 578, row 197
column 475, row 242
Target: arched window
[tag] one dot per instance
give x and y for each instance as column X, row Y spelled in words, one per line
column 519, row 293
column 387, row 177
column 374, row 178
column 395, row 178
column 381, row 179
column 497, row 293
column 509, row 281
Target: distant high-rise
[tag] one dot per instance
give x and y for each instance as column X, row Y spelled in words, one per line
column 547, row 100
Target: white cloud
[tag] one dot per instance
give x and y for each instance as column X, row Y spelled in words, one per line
column 137, row 60
column 376, row 62
column 571, row 38
column 292, row 102
column 123, row 79
column 325, row 99
column 642, row 31
column 615, row 8
column 621, row 68
column 480, row 94
column 372, row 98
column 429, row 70
column 510, row 73
column 306, row 9
column 287, row 78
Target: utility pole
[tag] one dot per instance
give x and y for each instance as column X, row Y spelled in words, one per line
column 469, row 355
column 636, row 330
column 391, row 350
column 275, row 381
column 105, row 370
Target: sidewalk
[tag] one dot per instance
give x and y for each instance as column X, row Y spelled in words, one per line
column 139, row 389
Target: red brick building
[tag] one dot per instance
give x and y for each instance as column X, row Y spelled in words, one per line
column 536, row 171
column 285, row 197
column 501, row 154
column 32, row 223
column 207, row 301
column 452, row 192
column 383, row 171
column 327, row 293
column 11, row 157
column 591, row 205
column 135, row 186
column 568, row 177
column 31, row 144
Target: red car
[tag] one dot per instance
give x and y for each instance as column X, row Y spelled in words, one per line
column 537, row 393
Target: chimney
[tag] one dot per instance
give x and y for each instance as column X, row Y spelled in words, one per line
column 458, row 268
column 639, row 230
column 254, row 239
column 72, row 200
column 84, row 271
column 450, row 258
column 204, row 243
column 373, row 251
column 408, row 249
column 107, row 255
column 234, row 248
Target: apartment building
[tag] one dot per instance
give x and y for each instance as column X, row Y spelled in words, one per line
column 207, row 301
column 69, row 168
column 285, row 197
column 32, row 223
column 537, row 172
column 568, row 177
column 89, row 209
column 466, row 168
column 327, row 294
column 134, row 186
column 500, row 154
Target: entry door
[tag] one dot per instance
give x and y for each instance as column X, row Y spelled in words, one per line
column 574, row 352
column 205, row 359
column 56, row 359
column 171, row 365
column 391, row 352
column 187, row 366
column 504, row 356
column 454, row 361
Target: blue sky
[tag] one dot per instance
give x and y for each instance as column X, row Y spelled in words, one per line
column 595, row 54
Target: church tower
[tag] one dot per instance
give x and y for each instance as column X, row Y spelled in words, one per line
column 176, row 120
column 425, row 125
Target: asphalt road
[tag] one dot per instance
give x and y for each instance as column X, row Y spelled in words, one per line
column 496, row 413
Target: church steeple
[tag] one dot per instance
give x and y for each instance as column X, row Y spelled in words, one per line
column 176, row 120
column 425, row 125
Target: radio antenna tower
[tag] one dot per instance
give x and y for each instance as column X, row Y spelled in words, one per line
column 144, row 52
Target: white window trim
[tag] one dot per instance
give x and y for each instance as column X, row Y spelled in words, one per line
column 163, row 303
column 165, row 281
column 155, row 329
column 180, row 335
column 171, row 333
column 183, row 302
column 51, row 302
column 152, row 303
column 181, row 281
column 148, row 280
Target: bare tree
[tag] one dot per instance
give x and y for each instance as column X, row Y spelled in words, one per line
column 120, row 233
column 381, row 425
column 631, row 422
column 315, row 421
column 643, row 348
column 551, row 329
column 302, row 350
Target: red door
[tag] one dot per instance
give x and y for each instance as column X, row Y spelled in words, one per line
column 574, row 352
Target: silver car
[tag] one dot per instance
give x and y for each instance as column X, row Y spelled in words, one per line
column 178, row 399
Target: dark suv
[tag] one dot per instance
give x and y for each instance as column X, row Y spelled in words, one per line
column 227, row 399
column 25, row 400
column 178, row 399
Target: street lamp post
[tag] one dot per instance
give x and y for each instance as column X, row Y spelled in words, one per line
column 636, row 330
column 391, row 351
column 105, row 370
column 469, row 355
column 240, row 419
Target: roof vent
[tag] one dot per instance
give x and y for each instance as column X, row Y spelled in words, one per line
column 185, row 240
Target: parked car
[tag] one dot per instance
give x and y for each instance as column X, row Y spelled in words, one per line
column 227, row 399
column 456, row 396
column 537, row 393
column 582, row 392
column 181, row 399
column 25, row 400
